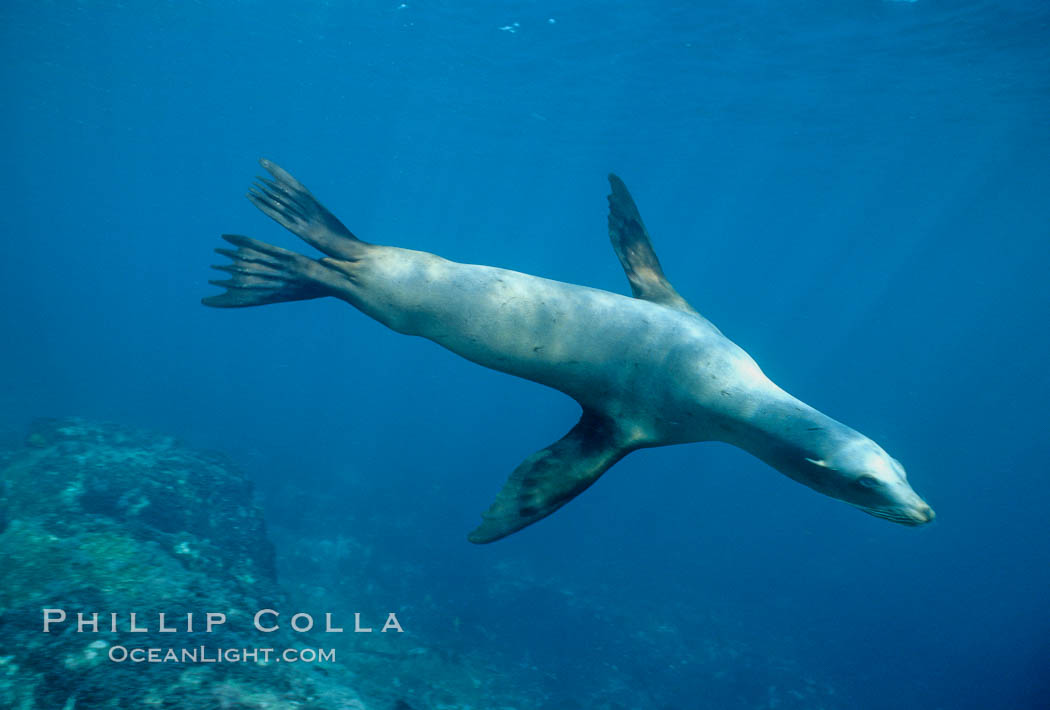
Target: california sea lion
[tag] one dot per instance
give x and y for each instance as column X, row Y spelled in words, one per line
column 647, row 371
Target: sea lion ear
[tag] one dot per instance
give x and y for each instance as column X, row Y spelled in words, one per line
column 631, row 243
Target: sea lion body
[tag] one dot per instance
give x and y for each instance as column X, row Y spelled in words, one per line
column 641, row 362
column 647, row 371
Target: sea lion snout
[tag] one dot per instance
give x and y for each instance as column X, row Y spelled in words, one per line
column 913, row 515
column 924, row 514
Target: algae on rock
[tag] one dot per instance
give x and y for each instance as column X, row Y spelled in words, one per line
column 102, row 518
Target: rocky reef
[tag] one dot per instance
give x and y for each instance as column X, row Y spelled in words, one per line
column 99, row 518
column 104, row 519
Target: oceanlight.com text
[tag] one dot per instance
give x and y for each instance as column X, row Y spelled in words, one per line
column 204, row 654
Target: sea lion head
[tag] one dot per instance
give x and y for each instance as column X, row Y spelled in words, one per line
column 865, row 476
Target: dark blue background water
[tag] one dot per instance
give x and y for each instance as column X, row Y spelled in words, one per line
column 857, row 193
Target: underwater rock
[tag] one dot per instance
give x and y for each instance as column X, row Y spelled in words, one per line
column 107, row 519
column 102, row 518
column 148, row 483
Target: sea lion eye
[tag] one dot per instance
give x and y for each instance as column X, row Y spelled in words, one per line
column 868, row 481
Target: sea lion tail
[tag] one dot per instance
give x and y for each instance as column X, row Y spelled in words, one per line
column 262, row 273
column 286, row 201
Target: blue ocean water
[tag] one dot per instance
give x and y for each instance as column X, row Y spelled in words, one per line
column 857, row 193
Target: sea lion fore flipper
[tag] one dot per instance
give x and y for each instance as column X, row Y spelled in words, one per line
column 631, row 242
column 286, row 201
column 551, row 477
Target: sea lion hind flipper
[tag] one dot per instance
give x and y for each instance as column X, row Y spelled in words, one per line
column 551, row 477
column 261, row 273
column 631, row 242
column 286, row 201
